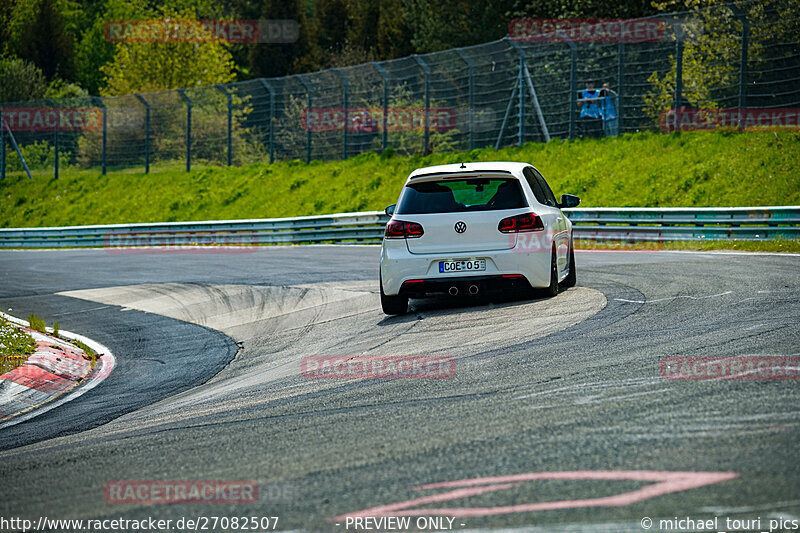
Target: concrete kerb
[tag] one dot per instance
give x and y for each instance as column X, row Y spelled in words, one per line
column 49, row 381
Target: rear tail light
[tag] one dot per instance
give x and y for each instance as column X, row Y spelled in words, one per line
column 523, row 222
column 400, row 229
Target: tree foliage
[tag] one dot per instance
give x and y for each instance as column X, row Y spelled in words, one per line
column 64, row 39
column 712, row 37
column 20, row 80
column 93, row 51
column 150, row 67
column 43, row 32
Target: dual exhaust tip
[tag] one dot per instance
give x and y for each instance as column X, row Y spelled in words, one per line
column 473, row 290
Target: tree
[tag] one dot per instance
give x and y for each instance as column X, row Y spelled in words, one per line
column 379, row 29
column 332, row 17
column 58, row 88
column 6, row 8
column 43, row 32
column 711, row 56
column 590, row 9
column 20, row 80
column 439, row 25
column 280, row 59
column 142, row 67
column 308, row 56
column 393, row 32
column 93, row 50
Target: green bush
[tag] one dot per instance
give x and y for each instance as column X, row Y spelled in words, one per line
column 20, row 80
column 39, row 156
column 126, row 129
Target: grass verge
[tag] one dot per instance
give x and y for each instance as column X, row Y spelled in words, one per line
column 690, row 169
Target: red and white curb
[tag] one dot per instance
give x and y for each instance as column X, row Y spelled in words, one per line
column 53, row 375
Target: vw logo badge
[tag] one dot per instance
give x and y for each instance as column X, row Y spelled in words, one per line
column 460, row 227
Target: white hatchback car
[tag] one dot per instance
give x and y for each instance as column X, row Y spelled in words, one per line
column 474, row 228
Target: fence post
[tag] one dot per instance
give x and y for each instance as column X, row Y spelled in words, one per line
column 573, row 86
column 227, row 94
column 102, row 105
column 620, row 74
column 188, row 129
column 573, row 81
column 55, row 139
column 470, row 94
column 19, row 152
column 678, row 75
column 527, row 78
column 271, row 91
column 521, row 101
column 346, row 103
column 2, row 147
column 146, row 132
column 508, row 111
column 427, row 73
column 742, row 61
column 309, row 101
column 385, row 77
column 521, row 106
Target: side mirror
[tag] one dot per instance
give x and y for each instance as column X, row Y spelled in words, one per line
column 390, row 210
column 569, row 200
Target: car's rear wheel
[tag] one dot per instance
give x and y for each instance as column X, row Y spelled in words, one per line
column 393, row 305
column 552, row 289
column 572, row 277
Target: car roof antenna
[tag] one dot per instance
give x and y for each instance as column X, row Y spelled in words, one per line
column 463, row 166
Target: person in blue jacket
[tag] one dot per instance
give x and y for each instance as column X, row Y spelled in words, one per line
column 591, row 117
column 608, row 105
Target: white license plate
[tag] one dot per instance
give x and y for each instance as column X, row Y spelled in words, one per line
column 466, row 265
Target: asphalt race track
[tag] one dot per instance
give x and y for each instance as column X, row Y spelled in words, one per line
column 208, row 387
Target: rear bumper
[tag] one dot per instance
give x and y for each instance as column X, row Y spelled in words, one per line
column 465, row 285
column 398, row 266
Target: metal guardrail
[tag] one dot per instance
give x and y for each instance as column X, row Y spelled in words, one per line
column 636, row 224
column 345, row 227
column 624, row 224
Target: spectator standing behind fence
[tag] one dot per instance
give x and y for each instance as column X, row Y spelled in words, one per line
column 364, row 130
column 591, row 117
column 608, row 105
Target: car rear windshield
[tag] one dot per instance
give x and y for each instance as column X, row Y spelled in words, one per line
column 460, row 195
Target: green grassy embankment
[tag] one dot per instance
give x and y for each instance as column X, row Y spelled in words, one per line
column 694, row 169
